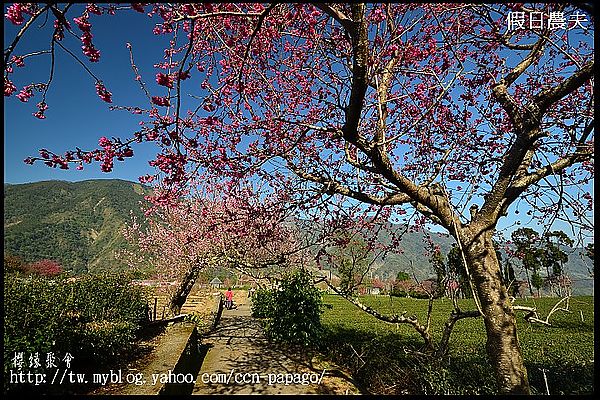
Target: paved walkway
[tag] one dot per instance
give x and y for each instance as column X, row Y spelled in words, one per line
column 240, row 360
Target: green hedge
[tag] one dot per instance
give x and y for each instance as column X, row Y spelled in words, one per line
column 291, row 313
column 93, row 317
column 262, row 303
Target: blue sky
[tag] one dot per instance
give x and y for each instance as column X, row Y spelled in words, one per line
column 76, row 116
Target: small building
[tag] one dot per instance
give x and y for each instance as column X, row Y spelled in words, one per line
column 216, row 283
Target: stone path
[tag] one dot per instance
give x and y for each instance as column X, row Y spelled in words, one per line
column 240, row 360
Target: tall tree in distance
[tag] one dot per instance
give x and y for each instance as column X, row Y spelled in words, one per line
column 352, row 258
column 527, row 242
column 589, row 253
column 450, row 114
column 554, row 257
column 456, row 267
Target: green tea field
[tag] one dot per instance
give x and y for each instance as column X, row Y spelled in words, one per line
column 384, row 357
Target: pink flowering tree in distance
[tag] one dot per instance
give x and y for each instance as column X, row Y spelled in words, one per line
column 45, row 268
column 453, row 114
column 237, row 229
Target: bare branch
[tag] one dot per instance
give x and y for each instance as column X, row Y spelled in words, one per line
column 533, row 317
column 394, row 319
column 18, row 36
column 337, row 15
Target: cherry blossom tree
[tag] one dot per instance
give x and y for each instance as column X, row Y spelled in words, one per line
column 236, row 230
column 45, row 267
column 455, row 114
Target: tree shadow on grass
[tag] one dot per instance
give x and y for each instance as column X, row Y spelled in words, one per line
column 562, row 378
column 394, row 363
column 382, row 364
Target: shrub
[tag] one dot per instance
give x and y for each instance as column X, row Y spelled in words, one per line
column 262, row 303
column 13, row 264
column 94, row 318
column 398, row 293
column 292, row 312
column 418, row 295
column 45, row 268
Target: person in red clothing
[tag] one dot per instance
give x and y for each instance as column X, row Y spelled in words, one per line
column 229, row 299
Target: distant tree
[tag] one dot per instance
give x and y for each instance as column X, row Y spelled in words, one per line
column 589, row 252
column 526, row 241
column 456, row 268
column 351, row 257
column 508, row 278
column 537, row 281
column 553, row 256
column 402, row 276
column 436, row 259
column 45, row 268
column 14, row 263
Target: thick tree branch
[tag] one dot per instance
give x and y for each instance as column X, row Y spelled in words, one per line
column 509, row 104
column 394, row 319
column 543, row 100
column 524, row 64
column 455, row 316
column 336, row 15
column 360, row 52
column 350, row 132
column 332, row 186
column 506, row 188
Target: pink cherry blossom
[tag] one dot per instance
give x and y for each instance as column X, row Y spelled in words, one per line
column 160, row 101
column 103, row 93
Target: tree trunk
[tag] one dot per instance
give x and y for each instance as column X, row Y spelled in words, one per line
column 183, row 290
column 529, row 282
column 502, row 344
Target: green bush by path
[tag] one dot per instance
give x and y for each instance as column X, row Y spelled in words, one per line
column 291, row 313
column 93, row 318
column 262, row 303
column 383, row 358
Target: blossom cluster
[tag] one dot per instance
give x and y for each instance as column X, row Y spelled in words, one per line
column 103, row 93
column 88, row 48
column 14, row 13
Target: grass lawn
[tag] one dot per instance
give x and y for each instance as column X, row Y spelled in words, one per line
column 379, row 354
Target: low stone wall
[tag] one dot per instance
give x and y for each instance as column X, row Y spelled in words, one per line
column 218, row 311
column 178, row 357
column 177, row 360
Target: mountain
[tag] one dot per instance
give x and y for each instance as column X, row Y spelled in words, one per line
column 414, row 261
column 79, row 225
column 413, row 258
column 75, row 223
